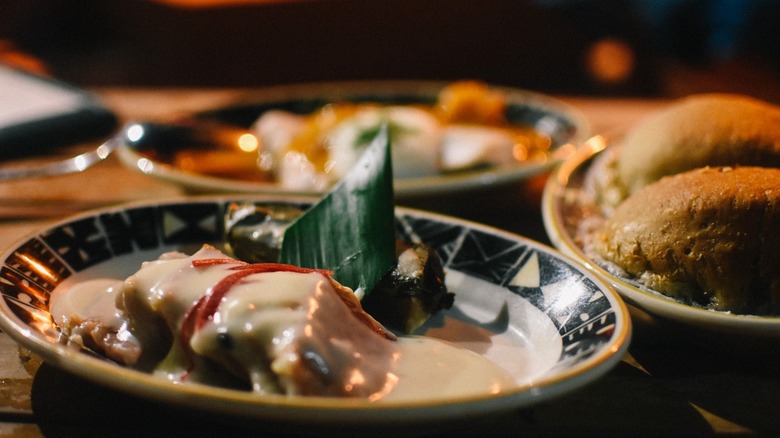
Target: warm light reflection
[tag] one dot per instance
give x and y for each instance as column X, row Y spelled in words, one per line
column 592, row 146
column 356, row 378
column 495, row 388
column 30, row 291
column 390, row 383
column 42, row 321
column 520, row 151
column 611, row 60
column 314, row 304
column 248, row 143
column 38, row 268
column 564, row 152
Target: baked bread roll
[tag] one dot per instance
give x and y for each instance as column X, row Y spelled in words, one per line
column 707, row 236
column 700, row 130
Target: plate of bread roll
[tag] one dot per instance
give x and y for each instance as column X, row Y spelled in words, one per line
column 681, row 213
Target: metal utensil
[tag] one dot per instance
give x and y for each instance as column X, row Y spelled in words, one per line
column 34, row 168
column 165, row 137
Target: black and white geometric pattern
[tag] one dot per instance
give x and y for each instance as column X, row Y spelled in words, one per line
column 580, row 311
column 578, row 308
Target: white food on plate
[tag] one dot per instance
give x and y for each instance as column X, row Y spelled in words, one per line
column 423, row 146
column 277, row 128
column 296, row 172
column 280, row 332
column 464, row 146
column 414, row 133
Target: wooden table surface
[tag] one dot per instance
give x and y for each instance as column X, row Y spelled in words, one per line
column 665, row 386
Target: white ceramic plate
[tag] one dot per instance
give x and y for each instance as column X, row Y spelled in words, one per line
column 563, row 208
column 562, row 325
column 565, row 125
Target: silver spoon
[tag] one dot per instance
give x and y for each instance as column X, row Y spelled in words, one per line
column 165, row 137
column 33, row 168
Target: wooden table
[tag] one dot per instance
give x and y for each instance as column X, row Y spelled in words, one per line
column 664, row 387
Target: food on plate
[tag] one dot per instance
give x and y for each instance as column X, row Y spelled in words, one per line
column 707, row 237
column 307, row 145
column 351, row 229
column 277, row 326
column 271, row 328
column 282, row 328
column 465, row 128
column 697, row 131
column 403, row 287
column 405, row 297
column 413, row 291
column 685, row 202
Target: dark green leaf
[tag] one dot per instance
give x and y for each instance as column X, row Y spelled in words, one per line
column 351, row 229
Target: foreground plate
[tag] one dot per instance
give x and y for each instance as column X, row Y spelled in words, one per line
column 564, row 209
column 563, row 325
column 565, row 125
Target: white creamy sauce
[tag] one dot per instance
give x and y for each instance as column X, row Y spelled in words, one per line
column 265, row 316
column 92, row 299
column 430, row 367
column 88, row 311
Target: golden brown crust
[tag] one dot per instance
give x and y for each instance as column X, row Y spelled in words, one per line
column 710, row 235
column 698, row 131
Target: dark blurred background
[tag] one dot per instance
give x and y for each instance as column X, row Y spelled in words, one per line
column 662, row 48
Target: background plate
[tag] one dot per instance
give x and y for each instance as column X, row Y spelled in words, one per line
column 564, row 124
